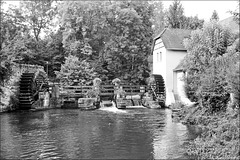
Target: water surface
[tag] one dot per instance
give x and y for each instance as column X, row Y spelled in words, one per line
column 107, row 133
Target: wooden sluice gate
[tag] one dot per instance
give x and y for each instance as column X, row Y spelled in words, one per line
column 77, row 96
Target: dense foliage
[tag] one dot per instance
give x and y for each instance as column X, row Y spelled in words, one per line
column 114, row 35
column 219, row 135
column 206, row 80
column 212, row 66
column 21, row 42
column 73, row 70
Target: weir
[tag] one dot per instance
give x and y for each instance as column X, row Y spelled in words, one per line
column 107, row 95
column 119, row 95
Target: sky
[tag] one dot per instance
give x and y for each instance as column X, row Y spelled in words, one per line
column 203, row 9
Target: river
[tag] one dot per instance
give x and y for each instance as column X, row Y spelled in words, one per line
column 107, row 133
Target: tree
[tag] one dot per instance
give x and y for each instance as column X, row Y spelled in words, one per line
column 205, row 81
column 75, row 72
column 55, row 54
column 214, row 16
column 20, row 30
column 10, row 28
column 158, row 19
column 116, row 33
column 175, row 16
column 38, row 15
column 177, row 19
column 84, row 24
column 229, row 67
column 11, row 24
column 127, row 50
column 192, row 23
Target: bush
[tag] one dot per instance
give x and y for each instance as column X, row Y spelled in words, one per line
column 5, row 71
column 212, row 66
column 213, row 92
column 219, row 139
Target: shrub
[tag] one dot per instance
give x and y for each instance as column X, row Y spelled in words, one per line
column 220, row 139
column 212, row 66
column 213, row 91
column 207, row 66
column 75, row 70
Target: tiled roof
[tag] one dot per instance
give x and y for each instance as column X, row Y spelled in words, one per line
column 173, row 38
column 230, row 23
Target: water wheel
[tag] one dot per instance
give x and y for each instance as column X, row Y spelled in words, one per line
column 30, row 86
column 158, row 89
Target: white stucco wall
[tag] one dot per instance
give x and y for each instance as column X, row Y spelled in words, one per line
column 159, row 59
column 172, row 60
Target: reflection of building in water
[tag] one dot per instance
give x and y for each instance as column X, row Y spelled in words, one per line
column 169, row 142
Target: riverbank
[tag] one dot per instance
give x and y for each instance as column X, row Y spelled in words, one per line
column 9, row 90
column 8, row 98
column 218, row 132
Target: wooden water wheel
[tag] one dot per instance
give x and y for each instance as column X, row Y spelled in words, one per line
column 30, row 85
column 158, row 90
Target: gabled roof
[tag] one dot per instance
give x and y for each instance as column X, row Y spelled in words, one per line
column 230, row 23
column 173, row 38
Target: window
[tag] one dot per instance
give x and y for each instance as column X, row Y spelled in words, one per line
column 159, row 57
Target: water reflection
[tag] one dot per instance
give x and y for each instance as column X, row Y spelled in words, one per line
column 75, row 134
column 171, row 137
